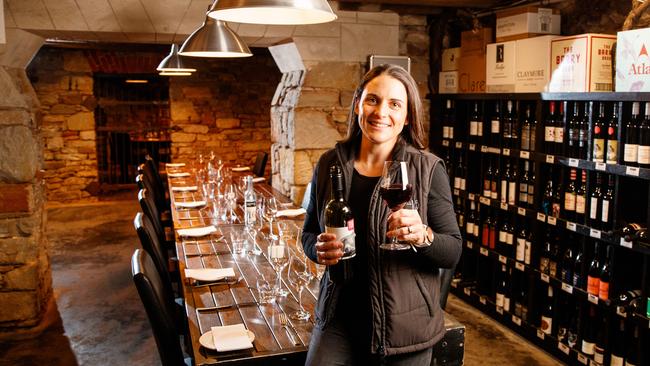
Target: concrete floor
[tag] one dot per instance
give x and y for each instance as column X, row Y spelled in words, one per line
column 102, row 322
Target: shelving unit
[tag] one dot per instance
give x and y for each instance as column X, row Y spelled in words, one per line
column 479, row 271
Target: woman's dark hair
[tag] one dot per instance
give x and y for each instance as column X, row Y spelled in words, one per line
column 413, row 131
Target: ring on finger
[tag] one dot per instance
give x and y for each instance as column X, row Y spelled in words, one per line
column 409, row 229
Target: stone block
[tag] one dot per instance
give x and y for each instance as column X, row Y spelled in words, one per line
column 384, row 18
column 331, row 29
column 413, row 20
column 19, row 150
column 346, row 98
column 224, row 123
column 15, row 117
column 17, row 250
column 82, row 144
column 24, row 277
column 71, row 98
column 318, row 98
column 339, row 75
column 303, row 167
column 197, row 92
column 82, row 121
column 47, row 99
column 200, row 129
column 313, row 130
column 54, row 143
column 74, row 180
column 63, row 109
column 358, row 41
column 284, row 31
column 183, row 111
column 12, row 95
column 18, row 306
column 182, row 137
column 29, row 225
column 87, row 135
column 89, row 102
column 15, row 198
column 319, row 48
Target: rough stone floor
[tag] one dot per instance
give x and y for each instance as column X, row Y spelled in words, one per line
column 102, row 321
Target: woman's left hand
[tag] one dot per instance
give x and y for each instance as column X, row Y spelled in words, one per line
column 407, row 226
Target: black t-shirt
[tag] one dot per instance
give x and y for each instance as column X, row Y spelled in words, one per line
column 355, row 296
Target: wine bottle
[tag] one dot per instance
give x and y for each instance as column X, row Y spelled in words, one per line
column 531, row 186
column 495, row 126
column 595, row 203
column 578, row 277
column 547, row 200
column 611, row 156
column 554, row 256
column 607, row 205
column 582, row 133
column 599, row 135
column 512, row 185
column 633, row 231
column 631, row 148
column 558, row 134
column 566, row 267
column 250, row 200
column 487, row 180
column 549, row 130
column 632, row 357
column 451, row 120
column 502, row 242
column 605, row 276
column 644, row 139
column 533, row 127
column 501, row 288
column 528, row 248
column 589, row 335
column 617, row 354
column 445, row 120
column 459, row 176
column 545, row 256
column 520, row 254
column 473, row 124
column 523, row 187
column 521, row 302
column 572, row 149
column 593, row 275
column 546, row 323
column 581, row 199
column 507, row 127
column 570, row 197
column 574, row 328
column 471, row 221
column 485, row 231
column 494, row 192
column 505, row 179
column 338, row 215
column 507, row 294
column 493, row 231
column 599, row 346
column 557, row 201
column 514, row 126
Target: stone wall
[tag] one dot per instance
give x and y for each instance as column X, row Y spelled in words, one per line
column 25, row 279
column 63, row 82
column 224, row 108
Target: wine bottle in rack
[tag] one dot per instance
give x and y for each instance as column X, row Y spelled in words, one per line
column 501, row 288
column 617, row 349
column 583, row 125
column 449, row 167
column 572, row 139
column 562, row 319
column 599, row 135
column 522, row 236
column 605, row 276
column 507, row 296
column 545, row 255
column 502, row 238
column 599, row 346
column 505, row 179
column 494, row 185
column 525, row 130
column 632, row 352
column 589, row 332
column 521, row 300
column 495, row 126
column 470, row 222
column 593, row 275
column 506, row 126
column 570, row 197
column 578, row 263
column 487, row 179
column 514, row 126
column 558, row 134
column 644, row 139
column 611, row 155
column 473, row 125
column 595, row 203
column 607, row 206
column 531, row 186
column 512, row 185
column 554, row 257
column 532, row 132
column 546, row 323
column 549, row 130
column 547, row 199
column 581, row 198
column 493, row 231
column 485, row 230
column 566, row 265
column 574, row 328
column 528, row 250
column 523, row 187
column 631, row 147
column 557, row 201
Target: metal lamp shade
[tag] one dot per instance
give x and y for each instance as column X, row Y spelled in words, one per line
column 214, row 39
column 174, row 63
column 272, row 11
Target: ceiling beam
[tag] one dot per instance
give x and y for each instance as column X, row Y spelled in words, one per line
column 430, row 3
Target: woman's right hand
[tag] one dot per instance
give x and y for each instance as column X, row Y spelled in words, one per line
column 328, row 250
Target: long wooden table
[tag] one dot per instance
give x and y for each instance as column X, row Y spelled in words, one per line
column 234, row 303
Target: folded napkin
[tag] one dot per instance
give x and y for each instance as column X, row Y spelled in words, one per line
column 175, row 165
column 240, row 169
column 184, row 189
column 258, row 179
column 197, row 231
column 190, row 204
column 209, row 274
column 231, row 337
column 178, row 175
column 291, row 212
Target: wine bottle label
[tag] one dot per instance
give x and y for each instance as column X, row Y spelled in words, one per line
column 543, row 265
column 493, row 238
column 451, row 132
column 630, row 153
column 593, row 209
column 549, row 134
column 604, row 217
column 473, row 128
column 570, row 201
column 599, row 354
column 555, row 209
column 499, row 300
column 485, row 239
column 552, row 268
column 470, row 228
column 559, row 135
column 346, row 235
column 250, row 216
column 512, row 193
column 547, row 324
column 616, row 360
column 580, row 204
column 480, row 129
column 599, row 150
column 502, row 236
column 504, row 191
column 494, row 128
column 457, row 182
column 486, row 188
column 506, row 303
column 521, row 249
column 510, row 239
column 612, row 151
column 531, row 194
column 527, row 251
column 445, row 132
column 587, row 347
column 476, row 228
column 644, row 154
column 603, row 290
column 592, row 285
column 463, row 184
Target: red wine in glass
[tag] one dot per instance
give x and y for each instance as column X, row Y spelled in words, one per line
column 396, row 191
column 396, row 195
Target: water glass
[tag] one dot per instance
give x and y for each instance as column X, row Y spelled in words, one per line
column 238, row 241
column 265, row 294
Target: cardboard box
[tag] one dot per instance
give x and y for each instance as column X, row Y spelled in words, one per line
column 471, row 67
column 500, row 67
column 533, row 64
column 525, row 22
column 450, row 58
column 632, row 61
column 448, row 82
column 581, row 63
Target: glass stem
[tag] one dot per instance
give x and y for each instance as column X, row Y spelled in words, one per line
column 302, row 310
column 278, row 281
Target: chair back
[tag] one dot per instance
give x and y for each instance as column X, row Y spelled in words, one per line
column 157, row 188
column 260, row 164
column 149, row 208
column 159, row 310
column 150, row 243
column 446, row 275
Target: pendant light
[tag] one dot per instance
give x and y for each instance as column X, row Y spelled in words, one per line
column 173, row 65
column 214, row 39
column 289, row 12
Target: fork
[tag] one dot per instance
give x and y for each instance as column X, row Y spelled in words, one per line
column 285, row 324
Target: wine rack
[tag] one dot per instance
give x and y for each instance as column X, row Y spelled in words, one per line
column 476, row 158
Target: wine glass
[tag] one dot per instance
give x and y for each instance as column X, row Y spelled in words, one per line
column 231, row 198
column 278, row 256
column 269, row 211
column 395, row 190
column 299, row 275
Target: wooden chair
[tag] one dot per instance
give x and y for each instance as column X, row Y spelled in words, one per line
column 159, row 309
column 260, row 164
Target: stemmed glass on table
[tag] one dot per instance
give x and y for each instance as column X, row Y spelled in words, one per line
column 395, row 190
column 278, row 255
column 299, row 274
column 231, row 198
column 269, row 211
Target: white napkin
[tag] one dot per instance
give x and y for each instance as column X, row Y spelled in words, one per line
column 240, row 169
column 175, row 165
column 258, row 179
column 197, row 231
column 209, row 274
column 178, row 175
column 190, row 204
column 184, row 189
column 231, row 337
column 291, row 212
